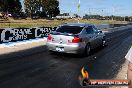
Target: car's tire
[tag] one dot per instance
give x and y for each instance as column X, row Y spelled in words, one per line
column 87, row 50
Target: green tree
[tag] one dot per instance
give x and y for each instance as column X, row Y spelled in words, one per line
column 51, row 7
column 14, row 6
column 10, row 6
column 76, row 15
column 32, row 6
column 3, row 4
column 48, row 7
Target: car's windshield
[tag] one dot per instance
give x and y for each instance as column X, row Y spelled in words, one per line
column 70, row 29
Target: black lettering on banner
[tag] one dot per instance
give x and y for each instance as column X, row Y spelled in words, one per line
column 19, row 34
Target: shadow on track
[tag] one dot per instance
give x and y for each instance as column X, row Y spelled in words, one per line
column 67, row 55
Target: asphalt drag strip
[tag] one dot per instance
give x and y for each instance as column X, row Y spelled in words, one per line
column 46, row 70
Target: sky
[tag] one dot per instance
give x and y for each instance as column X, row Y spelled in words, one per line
column 96, row 7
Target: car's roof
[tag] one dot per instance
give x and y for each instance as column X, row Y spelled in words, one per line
column 77, row 24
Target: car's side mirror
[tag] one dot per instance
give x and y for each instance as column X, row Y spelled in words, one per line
column 100, row 32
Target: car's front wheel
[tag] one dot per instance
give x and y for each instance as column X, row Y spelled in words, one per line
column 87, row 49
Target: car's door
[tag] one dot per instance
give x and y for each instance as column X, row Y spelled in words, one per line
column 98, row 36
column 91, row 36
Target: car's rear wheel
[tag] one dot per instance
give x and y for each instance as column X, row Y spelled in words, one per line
column 87, row 49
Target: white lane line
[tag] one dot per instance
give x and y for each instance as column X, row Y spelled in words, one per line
column 12, row 44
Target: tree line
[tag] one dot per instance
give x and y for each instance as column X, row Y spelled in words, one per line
column 42, row 8
column 112, row 17
column 10, row 6
column 32, row 8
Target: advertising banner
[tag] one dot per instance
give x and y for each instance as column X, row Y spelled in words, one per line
column 20, row 34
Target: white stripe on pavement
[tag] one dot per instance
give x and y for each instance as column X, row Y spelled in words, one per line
column 11, row 44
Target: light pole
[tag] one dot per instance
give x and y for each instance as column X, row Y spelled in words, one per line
column 113, row 13
column 78, row 6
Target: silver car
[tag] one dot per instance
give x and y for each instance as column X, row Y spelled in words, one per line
column 76, row 38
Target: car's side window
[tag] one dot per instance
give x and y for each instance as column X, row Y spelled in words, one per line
column 95, row 29
column 89, row 30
